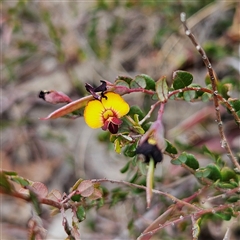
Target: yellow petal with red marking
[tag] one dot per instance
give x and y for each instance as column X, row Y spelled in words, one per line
column 116, row 103
column 93, row 114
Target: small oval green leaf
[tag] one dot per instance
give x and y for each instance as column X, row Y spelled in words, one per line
column 81, row 214
column 124, row 78
column 22, row 181
column 176, row 162
column 130, row 150
column 140, row 81
column 192, row 162
column 202, row 173
column 206, row 97
column 136, row 110
column 170, row 148
column 215, row 173
column 189, row 95
column 181, row 79
column 228, row 174
column 125, row 168
column 122, row 83
column 145, row 81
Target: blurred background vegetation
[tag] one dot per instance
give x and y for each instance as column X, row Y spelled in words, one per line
column 64, row 44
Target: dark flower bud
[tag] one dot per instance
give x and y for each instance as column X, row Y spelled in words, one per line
column 150, row 149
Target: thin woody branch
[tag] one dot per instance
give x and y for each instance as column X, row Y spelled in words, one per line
column 207, row 90
column 174, row 199
column 224, row 142
column 191, row 215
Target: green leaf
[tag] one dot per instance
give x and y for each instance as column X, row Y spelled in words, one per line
column 207, row 80
column 225, row 214
column 224, row 89
column 124, row 78
column 208, row 152
column 118, row 195
column 139, row 129
column 202, row 173
column 136, row 118
column 101, row 203
column 35, row 201
column 76, row 198
column 4, row 182
column 176, row 161
column 145, row 81
column 136, row 110
column 181, row 79
column 140, row 81
column 134, row 84
column 234, row 183
column 117, row 146
column 170, row 148
column 189, row 95
column 235, row 104
column 113, row 138
column 134, row 177
column 125, row 168
column 155, row 97
column 22, row 181
column 9, row 173
column 225, row 185
column 103, row 136
column 146, row 126
column 192, row 162
column 233, row 199
column 228, row 174
column 215, row 173
column 81, row 214
column 198, row 93
column 183, row 157
column 130, row 150
column 122, row 83
column 162, row 89
column 187, row 159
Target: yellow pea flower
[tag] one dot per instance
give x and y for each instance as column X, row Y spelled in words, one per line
column 106, row 112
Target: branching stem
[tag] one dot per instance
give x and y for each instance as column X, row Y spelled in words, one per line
column 195, row 215
column 224, row 142
column 174, row 199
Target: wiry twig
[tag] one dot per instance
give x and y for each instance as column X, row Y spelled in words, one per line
column 224, row 195
column 149, row 113
column 45, row 201
column 174, row 199
column 224, row 142
column 190, row 215
column 207, row 90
